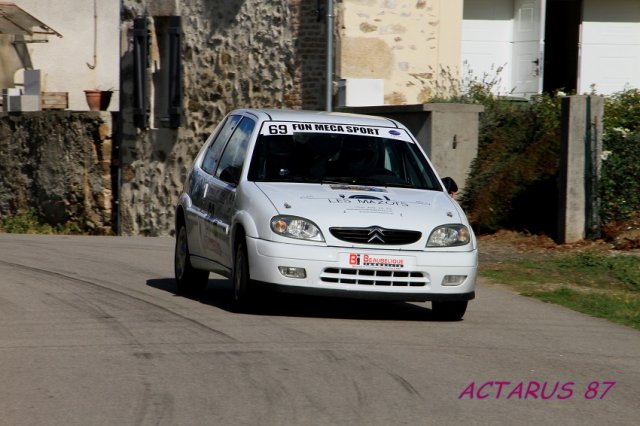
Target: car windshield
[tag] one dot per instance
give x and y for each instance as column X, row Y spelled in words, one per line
column 340, row 158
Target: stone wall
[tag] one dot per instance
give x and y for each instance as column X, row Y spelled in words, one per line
column 58, row 163
column 235, row 54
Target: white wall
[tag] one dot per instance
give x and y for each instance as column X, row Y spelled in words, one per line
column 610, row 38
column 408, row 44
column 63, row 61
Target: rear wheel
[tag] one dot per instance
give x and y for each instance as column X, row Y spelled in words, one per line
column 188, row 279
column 449, row 310
column 240, row 278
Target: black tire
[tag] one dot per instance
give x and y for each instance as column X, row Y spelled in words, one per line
column 242, row 294
column 188, row 279
column 449, row 310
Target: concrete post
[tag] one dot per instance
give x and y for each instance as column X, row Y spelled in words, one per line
column 580, row 162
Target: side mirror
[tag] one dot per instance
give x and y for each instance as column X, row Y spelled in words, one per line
column 231, row 174
column 450, row 185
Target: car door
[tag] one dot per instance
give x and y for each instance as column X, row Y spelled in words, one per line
column 221, row 194
column 199, row 184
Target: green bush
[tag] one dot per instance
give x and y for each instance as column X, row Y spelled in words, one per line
column 512, row 183
column 513, row 180
column 622, row 111
column 620, row 183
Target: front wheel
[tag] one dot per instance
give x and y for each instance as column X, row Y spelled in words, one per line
column 188, row 278
column 240, row 278
column 449, row 310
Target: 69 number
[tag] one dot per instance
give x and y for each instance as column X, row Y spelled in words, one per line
column 279, row 129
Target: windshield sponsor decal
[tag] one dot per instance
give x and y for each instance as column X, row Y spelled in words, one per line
column 270, row 128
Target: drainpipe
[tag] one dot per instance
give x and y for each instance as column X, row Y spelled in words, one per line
column 329, row 76
column 118, row 190
column 95, row 37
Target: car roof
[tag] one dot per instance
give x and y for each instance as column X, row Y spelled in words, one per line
column 307, row 116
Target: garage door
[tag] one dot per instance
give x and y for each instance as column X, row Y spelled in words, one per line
column 487, row 31
column 610, row 54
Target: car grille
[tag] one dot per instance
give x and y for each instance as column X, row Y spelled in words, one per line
column 376, row 235
column 373, row 277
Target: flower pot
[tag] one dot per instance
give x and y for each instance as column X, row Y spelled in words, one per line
column 98, row 100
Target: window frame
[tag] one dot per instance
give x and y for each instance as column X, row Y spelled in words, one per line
column 238, row 141
column 217, row 145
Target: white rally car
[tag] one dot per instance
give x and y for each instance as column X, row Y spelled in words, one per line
column 323, row 203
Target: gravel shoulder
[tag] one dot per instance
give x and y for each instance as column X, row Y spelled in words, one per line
column 506, row 246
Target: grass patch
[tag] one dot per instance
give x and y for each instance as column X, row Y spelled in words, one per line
column 600, row 269
column 601, row 285
column 621, row 308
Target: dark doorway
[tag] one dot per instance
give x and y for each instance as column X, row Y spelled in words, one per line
column 562, row 33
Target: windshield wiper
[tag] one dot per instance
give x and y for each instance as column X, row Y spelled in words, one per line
column 370, row 182
column 290, row 178
column 336, row 180
column 400, row 185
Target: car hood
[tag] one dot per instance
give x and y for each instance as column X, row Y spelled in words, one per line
column 361, row 206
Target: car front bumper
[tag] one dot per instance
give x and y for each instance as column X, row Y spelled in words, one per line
column 367, row 274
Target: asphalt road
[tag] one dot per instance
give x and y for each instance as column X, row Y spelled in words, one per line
column 92, row 333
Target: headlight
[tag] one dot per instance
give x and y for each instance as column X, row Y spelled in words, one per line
column 296, row 227
column 449, row 236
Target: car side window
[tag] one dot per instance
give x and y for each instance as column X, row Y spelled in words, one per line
column 418, row 171
column 213, row 152
column 233, row 156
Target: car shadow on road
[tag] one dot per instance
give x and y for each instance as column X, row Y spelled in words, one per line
column 218, row 294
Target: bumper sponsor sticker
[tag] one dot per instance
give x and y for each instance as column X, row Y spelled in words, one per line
column 376, row 261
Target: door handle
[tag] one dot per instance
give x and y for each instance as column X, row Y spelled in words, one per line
column 536, row 67
column 223, row 226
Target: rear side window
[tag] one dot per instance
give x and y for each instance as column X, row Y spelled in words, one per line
column 213, row 152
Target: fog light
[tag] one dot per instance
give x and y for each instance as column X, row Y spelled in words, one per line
column 292, row 272
column 453, row 279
